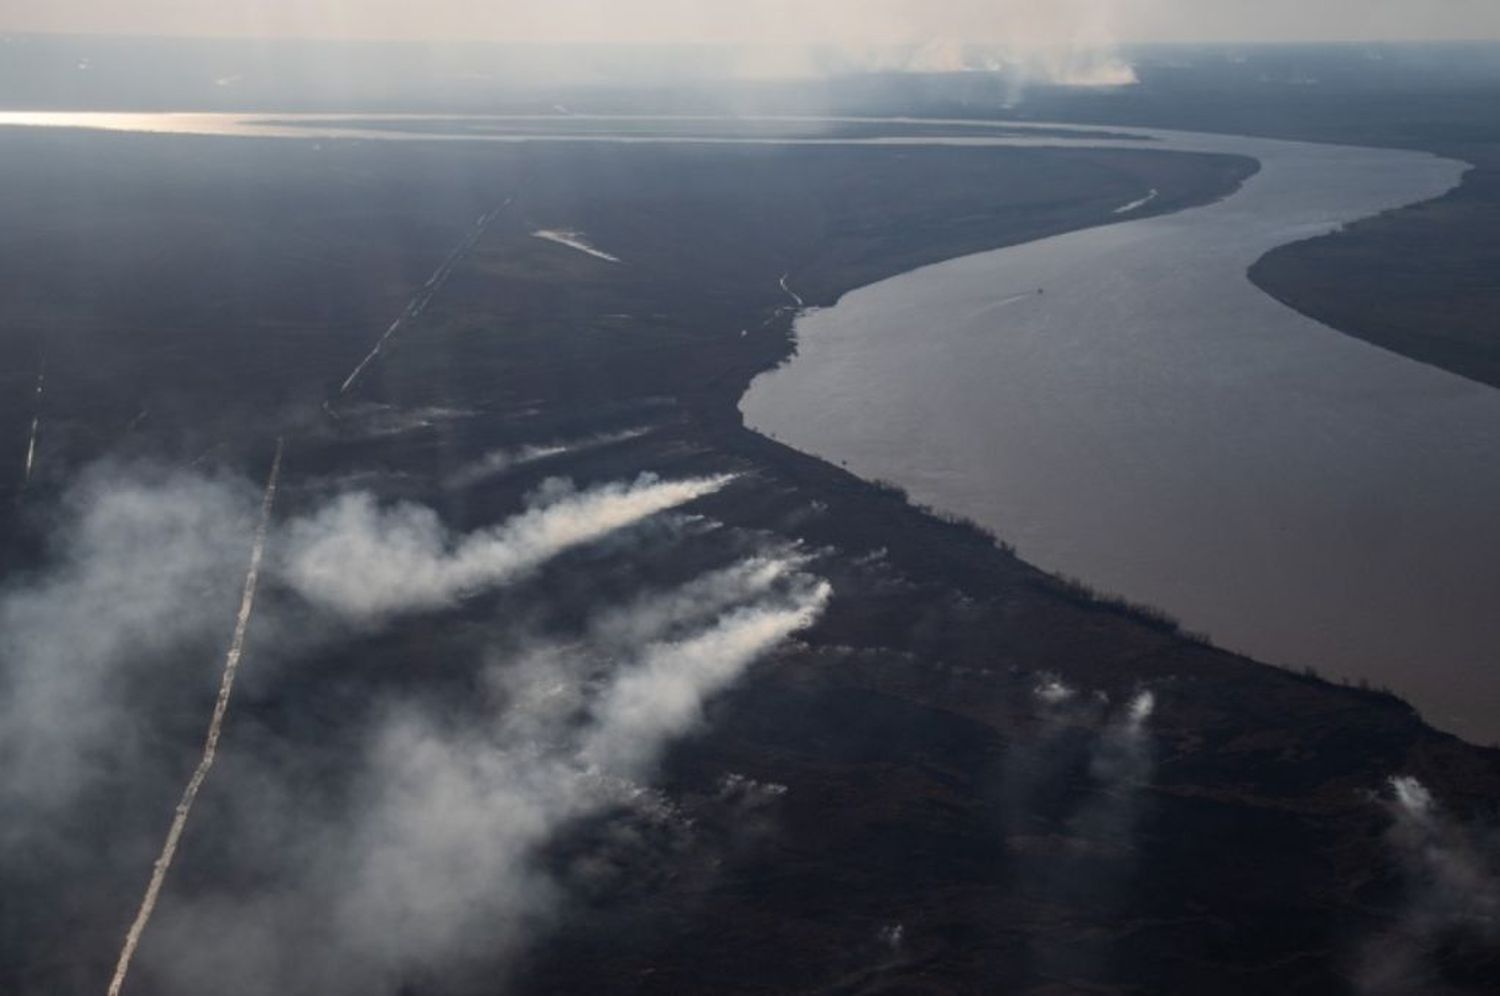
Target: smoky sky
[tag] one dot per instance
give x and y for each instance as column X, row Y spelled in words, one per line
column 855, row 22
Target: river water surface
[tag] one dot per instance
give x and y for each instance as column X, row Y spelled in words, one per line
column 1155, row 425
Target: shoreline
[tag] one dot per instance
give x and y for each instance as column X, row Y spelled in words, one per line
column 1010, row 483
column 1357, row 280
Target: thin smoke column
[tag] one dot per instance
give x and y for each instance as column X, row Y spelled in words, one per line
column 211, row 741
column 1452, row 884
column 501, row 461
column 1103, row 823
column 1122, row 763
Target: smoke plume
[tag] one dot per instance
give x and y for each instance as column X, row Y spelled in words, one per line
column 364, row 562
column 1073, row 792
column 497, row 462
column 144, row 567
column 1121, row 763
column 1452, row 881
column 436, row 859
column 415, row 848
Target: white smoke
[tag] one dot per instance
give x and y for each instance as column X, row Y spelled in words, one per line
column 142, row 582
column 665, row 691
column 1052, row 42
column 144, row 574
column 1017, row 65
column 1452, row 878
column 163, row 864
column 1051, row 691
column 429, row 855
column 498, row 462
column 1087, row 763
column 769, row 21
column 700, row 599
column 363, row 562
column 1036, row 762
column 435, row 863
column 147, row 564
column 545, row 686
column 1122, row 761
column 1140, row 709
column 738, row 788
column 1413, row 801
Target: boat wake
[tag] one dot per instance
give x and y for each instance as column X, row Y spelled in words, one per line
column 1137, row 205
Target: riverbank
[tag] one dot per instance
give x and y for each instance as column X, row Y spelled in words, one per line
column 1148, row 421
column 1419, row 281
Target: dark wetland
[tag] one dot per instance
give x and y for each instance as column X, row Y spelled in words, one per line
column 933, row 767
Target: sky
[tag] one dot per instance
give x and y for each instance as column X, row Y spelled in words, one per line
column 853, row 22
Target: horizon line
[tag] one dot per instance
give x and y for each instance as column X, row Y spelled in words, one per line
column 10, row 35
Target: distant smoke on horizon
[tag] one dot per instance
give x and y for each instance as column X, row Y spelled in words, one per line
column 445, row 53
column 1017, row 65
column 1061, row 43
column 1023, row 42
column 782, row 22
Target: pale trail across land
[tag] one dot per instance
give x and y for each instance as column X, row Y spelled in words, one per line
column 211, row 742
column 428, row 291
column 574, row 240
column 36, row 427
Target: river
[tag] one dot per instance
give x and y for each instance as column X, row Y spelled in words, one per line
column 1155, row 425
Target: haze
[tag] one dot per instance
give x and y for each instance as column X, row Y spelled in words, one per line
column 853, row 22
